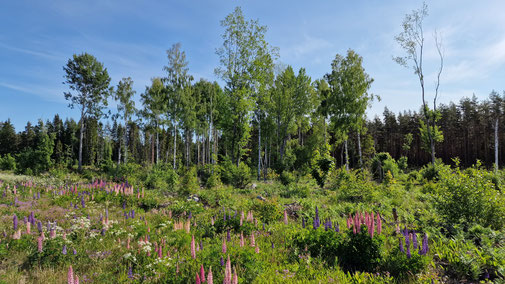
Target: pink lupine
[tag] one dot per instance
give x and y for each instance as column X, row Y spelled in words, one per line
column 228, row 270
column 39, row 243
column 197, row 279
column 235, row 276
column 241, row 239
column 285, row 217
column 257, row 250
column 224, row 245
column 160, row 251
column 70, row 275
column 28, row 227
column 128, row 243
column 253, row 243
column 193, row 253
column 372, row 227
column 202, row 274
column 379, row 223
column 76, row 280
column 210, row 279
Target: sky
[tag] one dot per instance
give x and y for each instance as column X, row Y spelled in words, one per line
column 130, row 38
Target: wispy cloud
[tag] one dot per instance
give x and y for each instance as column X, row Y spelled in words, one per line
column 36, row 53
column 53, row 95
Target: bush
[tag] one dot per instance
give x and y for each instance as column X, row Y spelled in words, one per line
column 319, row 243
column 360, row 252
column 239, row 176
column 381, row 164
column 321, row 166
column 353, row 186
column 189, row 182
column 210, row 175
column 466, row 199
column 403, row 163
column 287, row 178
column 401, row 267
column 7, row 163
column 162, row 177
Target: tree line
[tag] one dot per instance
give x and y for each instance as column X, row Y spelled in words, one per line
column 266, row 116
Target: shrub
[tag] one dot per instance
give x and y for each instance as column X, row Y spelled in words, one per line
column 189, row 182
column 321, row 166
column 403, row 163
column 287, row 178
column 401, row 267
column 239, row 176
column 210, row 175
column 360, row 252
column 7, row 163
column 381, row 164
column 162, row 177
column 469, row 199
column 319, row 243
column 353, row 186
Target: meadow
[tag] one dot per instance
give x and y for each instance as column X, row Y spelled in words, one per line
column 438, row 224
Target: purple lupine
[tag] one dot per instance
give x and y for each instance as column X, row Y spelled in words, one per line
column 190, row 215
column 401, row 245
column 124, row 205
column 39, row 226
column 133, row 213
column 407, row 244
column 425, row 245
column 273, row 246
column 64, row 250
column 222, row 261
column 228, row 237
column 38, row 195
column 303, row 223
column 337, row 229
column 103, row 232
column 71, row 205
column 130, row 273
column 15, row 222
column 75, row 252
column 201, row 245
column 414, row 239
column 82, row 202
column 263, row 226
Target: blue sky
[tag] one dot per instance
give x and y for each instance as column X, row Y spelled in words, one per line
column 130, row 37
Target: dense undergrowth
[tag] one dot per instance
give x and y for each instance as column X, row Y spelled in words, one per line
column 133, row 224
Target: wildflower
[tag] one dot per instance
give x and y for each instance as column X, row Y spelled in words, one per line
column 193, row 253
column 75, row 252
column 241, row 239
column 414, row 239
column 228, row 237
column 130, row 273
column 285, row 217
column 273, row 245
column 253, row 243
column 197, row 279
column 224, row 245
column 39, row 243
column 210, row 279
column 401, row 245
column 202, row 274
column 201, row 245
column 64, row 251
column 15, row 222
column 235, row 277
column 228, row 270
column 70, row 275
column 28, row 227
column 379, row 224
column 257, row 249
column 303, row 223
column 221, row 261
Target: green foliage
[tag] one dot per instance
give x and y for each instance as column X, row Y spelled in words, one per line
column 403, row 163
column 319, row 243
column 239, row 176
column 353, row 186
column 360, row 252
column 469, row 198
column 287, row 178
column 351, row 251
column 189, row 183
column 322, row 165
column 210, row 175
column 38, row 160
column 381, row 164
column 7, row 163
column 162, row 177
column 401, row 267
column 267, row 211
